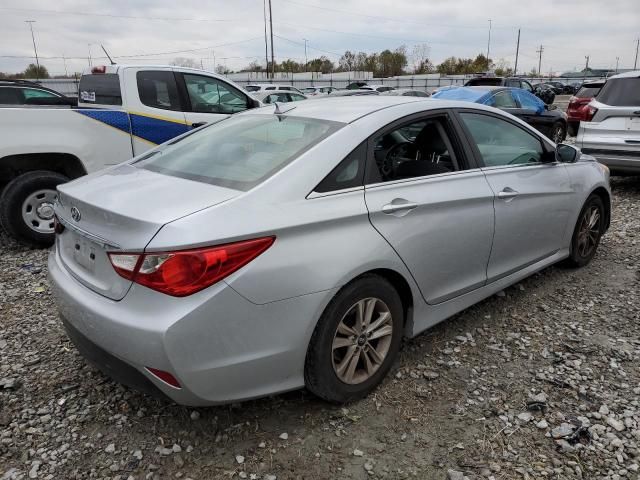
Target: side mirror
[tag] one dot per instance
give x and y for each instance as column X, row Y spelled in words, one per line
column 567, row 153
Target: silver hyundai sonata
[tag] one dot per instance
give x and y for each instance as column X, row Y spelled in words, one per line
column 295, row 246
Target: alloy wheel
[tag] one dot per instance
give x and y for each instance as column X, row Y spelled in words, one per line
column 362, row 340
column 589, row 231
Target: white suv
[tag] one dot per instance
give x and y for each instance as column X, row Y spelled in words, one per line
column 263, row 87
column 611, row 132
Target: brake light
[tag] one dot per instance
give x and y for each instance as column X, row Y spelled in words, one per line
column 185, row 272
column 166, row 377
column 99, row 69
column 589, row 113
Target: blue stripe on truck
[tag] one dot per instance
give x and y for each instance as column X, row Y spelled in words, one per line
column 154, row 129
column 151, row 129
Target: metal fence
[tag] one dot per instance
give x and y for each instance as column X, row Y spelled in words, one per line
column 69, row 86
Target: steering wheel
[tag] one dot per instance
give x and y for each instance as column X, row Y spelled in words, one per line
column 389, row 163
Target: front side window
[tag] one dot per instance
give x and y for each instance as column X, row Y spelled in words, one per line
column 529, row 101
column 416, row 149
column 210, row 95
column 502, row 99
column 239, row 152
column 158, row 89
column 501, row 142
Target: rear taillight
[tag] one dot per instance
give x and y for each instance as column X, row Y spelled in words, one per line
column 589, row 113
column 166, row 377
column 182, row 273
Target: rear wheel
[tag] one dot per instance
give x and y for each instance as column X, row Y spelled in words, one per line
column 26, row 207
column 558, row 132
column 356, row 340
column 587, row 232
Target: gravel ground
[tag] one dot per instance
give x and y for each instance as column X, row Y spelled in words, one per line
column 540, row 381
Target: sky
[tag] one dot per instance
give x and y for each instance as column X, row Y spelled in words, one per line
column 214, row 32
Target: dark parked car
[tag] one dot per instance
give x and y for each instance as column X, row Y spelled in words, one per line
column 545, row 92
column 577, row 109
column 22, row 92
column 514, row 82
column 562, row 88
column 524, row 105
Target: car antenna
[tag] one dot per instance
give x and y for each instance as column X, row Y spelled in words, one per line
column 282, row 108
column 107, row 54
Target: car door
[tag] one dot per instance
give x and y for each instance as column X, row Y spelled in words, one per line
column 533, row 111
column 426, row 197
column 532, row 196
column 156, row 112
column 209, row 99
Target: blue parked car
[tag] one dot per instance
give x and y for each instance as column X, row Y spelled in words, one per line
column 518, row 102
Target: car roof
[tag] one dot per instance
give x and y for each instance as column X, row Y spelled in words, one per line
column 350, row 109
column 633, row 74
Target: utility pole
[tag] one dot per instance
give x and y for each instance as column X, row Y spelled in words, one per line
column 266, row 42
column 540, row 59
column 35, row 50
column 489, row 45
column 306, row 60
column 89, row 47
column 273, row 64
column 213, row 54
column 515, row 69
column 586, row 67
column 64, row 61
column 635, row 64
column 617, row 62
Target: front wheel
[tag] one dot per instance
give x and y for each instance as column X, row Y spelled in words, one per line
column 26, row 207
column 587, row 232
column 356, row 340
column 558, row 132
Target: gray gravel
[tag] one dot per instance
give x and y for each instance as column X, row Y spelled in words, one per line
column 542, row 381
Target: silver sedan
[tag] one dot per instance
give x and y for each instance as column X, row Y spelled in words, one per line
column 296, row 246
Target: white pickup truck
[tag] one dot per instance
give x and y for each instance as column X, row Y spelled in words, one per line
column 123, row 110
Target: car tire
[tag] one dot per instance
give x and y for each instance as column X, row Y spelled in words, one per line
column 332, row 345
column 582, row 253
column 558, row 132
column 26, row 207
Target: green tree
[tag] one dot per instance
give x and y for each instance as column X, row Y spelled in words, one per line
column 33, row 71
column 322, row 64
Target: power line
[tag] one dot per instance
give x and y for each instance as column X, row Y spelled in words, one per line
column 127, row 17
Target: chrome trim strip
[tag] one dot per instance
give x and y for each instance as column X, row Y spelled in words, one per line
column 90, row 236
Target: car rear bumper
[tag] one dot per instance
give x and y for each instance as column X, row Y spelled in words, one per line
column 218, row 345
column 619, row 162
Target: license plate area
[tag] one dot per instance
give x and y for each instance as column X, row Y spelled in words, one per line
column 84, row 253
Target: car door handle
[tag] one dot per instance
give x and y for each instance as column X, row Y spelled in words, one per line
column 198, row 124
column 396, row 206
column 637, row 112
column 507, row 194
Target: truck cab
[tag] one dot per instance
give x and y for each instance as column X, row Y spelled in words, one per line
column 123, row 111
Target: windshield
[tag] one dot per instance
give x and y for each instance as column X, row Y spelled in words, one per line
column 239, row 152
column 252, row 88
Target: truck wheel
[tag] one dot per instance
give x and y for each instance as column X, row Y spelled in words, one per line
column 26, row 207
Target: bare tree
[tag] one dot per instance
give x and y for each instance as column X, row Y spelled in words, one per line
column 420, row 58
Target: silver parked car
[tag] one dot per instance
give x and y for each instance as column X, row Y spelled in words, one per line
column 610, row 130
column 282, row 97
column 283, row 248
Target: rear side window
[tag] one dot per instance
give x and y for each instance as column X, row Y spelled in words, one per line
column 252, row 88
column 588, row 92
column 158, row 89
column 529, row 101
column 621, row 92
column 11, row 96
column 348, row 174
column 241, row 151
column 101, row 89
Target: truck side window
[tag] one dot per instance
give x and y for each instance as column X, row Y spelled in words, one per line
column 210, row 95
column 158, row 89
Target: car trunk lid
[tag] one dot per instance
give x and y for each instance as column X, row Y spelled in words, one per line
column 121, row 209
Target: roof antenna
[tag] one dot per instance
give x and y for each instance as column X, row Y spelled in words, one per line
column 107, row 54
column 282, row 108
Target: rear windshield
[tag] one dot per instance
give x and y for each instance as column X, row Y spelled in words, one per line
column 587, row 92
column 239, row 152
column 484, row 81
column 621, row 92
column 103, row 89
column 252, row 88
